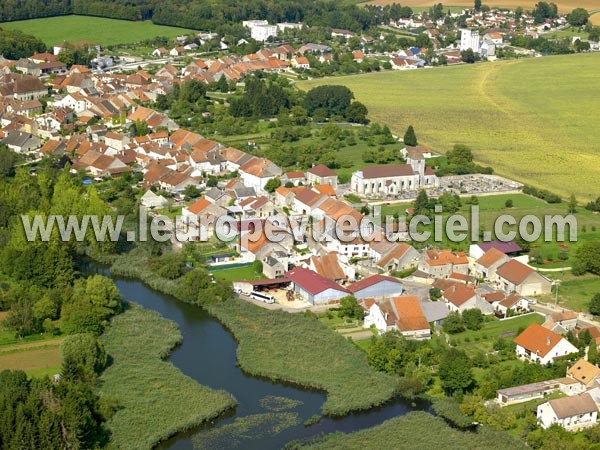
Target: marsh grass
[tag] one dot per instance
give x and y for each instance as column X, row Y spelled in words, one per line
column 155, row 400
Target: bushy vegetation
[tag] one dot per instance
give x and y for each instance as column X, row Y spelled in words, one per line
column 151, row 398
column 301, row 350
column 416, row 430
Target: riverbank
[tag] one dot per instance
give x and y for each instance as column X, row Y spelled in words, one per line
column 154, row 400
column 414, row 431
column 286, row 347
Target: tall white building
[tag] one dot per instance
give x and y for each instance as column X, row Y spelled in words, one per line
column 469, row 39
column 260, row 30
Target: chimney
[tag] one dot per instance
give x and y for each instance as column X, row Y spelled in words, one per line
column 548, row 341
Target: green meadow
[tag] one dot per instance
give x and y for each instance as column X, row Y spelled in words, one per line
column 531, row 119
column 57, row 30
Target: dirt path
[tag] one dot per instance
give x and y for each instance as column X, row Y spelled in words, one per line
column 31, row 345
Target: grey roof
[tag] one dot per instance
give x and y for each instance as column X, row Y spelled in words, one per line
column 244, row 192
column 214, row 193
column 20, row 139
column 434, row 311
column 270, row 261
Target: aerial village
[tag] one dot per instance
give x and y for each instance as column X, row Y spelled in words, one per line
column 83, row 116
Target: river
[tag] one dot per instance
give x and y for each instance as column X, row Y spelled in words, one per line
column 208, row 355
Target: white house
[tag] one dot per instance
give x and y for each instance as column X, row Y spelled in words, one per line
column 516, row 277
column 403, row 314
column 541, row 345
column 571, row 413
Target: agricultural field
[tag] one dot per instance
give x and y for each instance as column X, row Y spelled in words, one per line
column 563, row 5
column 155, row 400
column 531, row 131
column 57, row 30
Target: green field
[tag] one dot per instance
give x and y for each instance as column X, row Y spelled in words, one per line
column 155, row 400
column 57, row 30
column 531, row 119
column 574, row 292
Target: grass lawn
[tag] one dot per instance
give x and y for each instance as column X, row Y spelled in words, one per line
column 237, row 273
column 333, row 321
column 301, row 350
column 45, row 359
column 155, row 399
column 574, row 292
column 473, row 341
column 525, row 118
column 492, row 206
column 57, row 30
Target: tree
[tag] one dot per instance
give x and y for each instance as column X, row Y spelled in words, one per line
column 85, row 355
column 578, row 17
column 594, row 307
column 170, row 265
column 8, row 158
column 191, row 191
column 357, row 113
column 588, row 258
column 455, row 371
column 543, row 11
column 454, row 323
column 422, row 204
column 423, row 41
column 349, row 307
column 572, row 207
column 469, row 56
column 460, row 155
column 477, row 5
column 410, row 138
column 333, row 99
column 212, row 181
column 257, row 266
column 592, row 354
column 473, row 318
column 272, row 184
column 508, row 203
column 222, row 85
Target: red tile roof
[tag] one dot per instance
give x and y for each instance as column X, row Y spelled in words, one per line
column 370, row 281
column 312, row 282
column 514, row 271
column 538, row 339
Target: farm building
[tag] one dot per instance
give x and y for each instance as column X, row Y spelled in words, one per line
column 314, row 288
column 376, row 286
